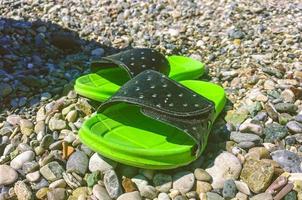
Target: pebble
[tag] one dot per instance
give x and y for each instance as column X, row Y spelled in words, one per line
column 226, row 166
column 162, row 182
column 130, row 196
column 22, row 191
column 183, row 181
column 41, row 193
column 77, row 162
column 26, row 127
column 202, row 175
column 288, row 96
column 33, row 177
column 288, row 160
column 8, row 175
column 52, row 171
column 214, row 196
column 274, row 132
column 243, row 187
column 148, row 191
column 163, row 196
column 98, row 162
column 262, row 196
column 98, row 52
column 257, row 174
column 286, row 107
column 20, row 159
column 251, row 128
column 56, row 124
column 203, row 187
column 58, row 184
column 112, row 184
column 291, row 196
column 229, row 189
column 140, row 181
column 57, row 194
column 72, row 116
column 244, row 137
column 294, row 127
column 100, row 192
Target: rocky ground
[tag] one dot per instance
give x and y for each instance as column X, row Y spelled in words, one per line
column 252, row 49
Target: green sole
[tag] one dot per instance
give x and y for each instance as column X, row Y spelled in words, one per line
column 102, row 85
column 123, row 134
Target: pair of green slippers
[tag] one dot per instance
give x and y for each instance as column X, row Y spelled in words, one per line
column 154, row 114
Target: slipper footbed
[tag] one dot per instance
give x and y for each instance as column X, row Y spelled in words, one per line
column 123, row 134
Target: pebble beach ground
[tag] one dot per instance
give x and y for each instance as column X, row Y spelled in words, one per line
column 253, row 49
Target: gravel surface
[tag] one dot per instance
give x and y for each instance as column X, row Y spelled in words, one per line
column 253, row 49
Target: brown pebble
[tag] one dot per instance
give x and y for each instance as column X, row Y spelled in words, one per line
column 67, row 150
column 128, row 185
column 284, row 191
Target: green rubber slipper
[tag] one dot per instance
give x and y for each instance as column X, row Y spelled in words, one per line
column 153, row 122
column 111, row 72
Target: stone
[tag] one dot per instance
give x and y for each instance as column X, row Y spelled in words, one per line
column 13, row 119
column 92, row 178
column 98, row 162
column 288, row 96
column 291, row 196
column 214, row 196
column 112, row 184
column 52, row 171
column 80, row 191
column 56, row 124
column 262, row 196
column 77, row 162
column 162, row 182
column 285, row 190
column 47, row 140
column 271, row 111
column 33, row 176
column 72, row 116
column 163, row 196
column 41, row 193
column 58, row 184
column 128, row 185
column 8, row 175
column 229, row 189
column 243, row 187
column 148, row 173
column 40, row 127
column 202, row 175
column 20, row 159
column 294, row 127
column 130, row 196
column 244, row 137
column 226, row 166
column 203, row 187
column 286, row 107
column 22, row 191
column 298, row 118
column 251, row 128
column 56, row 194
column 236, row 117
column 183, row 181
column 100, row 192
column 257, row 174
column 148, row 191
column 26, row 127
column 284, row 118
column 140, row 181
column 261, row 151
column 288, row 160
column 241, row 196
column 274, row 132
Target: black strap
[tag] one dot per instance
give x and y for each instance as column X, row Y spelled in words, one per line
column 134, row 61
column 168, row 101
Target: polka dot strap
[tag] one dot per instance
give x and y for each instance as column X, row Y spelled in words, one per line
column 134, row 61
column 168, row 101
